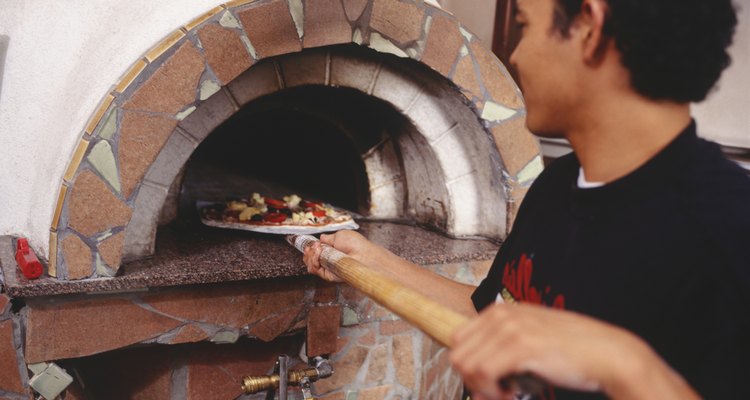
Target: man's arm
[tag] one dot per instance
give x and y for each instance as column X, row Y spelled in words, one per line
column 449, row 293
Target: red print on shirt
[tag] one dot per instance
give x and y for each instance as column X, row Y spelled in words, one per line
column 517, row 280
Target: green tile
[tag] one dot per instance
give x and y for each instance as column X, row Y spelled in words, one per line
column 101, row 268
column 351, row 394
column 384, row 45
column 184, row 113
column 229, row 21
column 530, row 171
column 249, row 46
column 494, row 112
column 208, row 89
column 225, row 337
column 298, row 15
column 110, row 126
column 103, row 160
column 350, row 317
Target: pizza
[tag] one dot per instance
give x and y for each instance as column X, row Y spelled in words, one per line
column 290, row 215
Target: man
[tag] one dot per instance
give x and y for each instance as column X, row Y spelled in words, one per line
column 645, row 226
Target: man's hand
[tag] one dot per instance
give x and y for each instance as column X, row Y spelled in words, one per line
column 348, row 242
column 563, row 348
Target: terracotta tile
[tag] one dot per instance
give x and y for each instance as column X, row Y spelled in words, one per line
column 142, row 137
column 368, row 339
column 325, row 24
column 270, row 28
column 378, row 364
column 480, row 269
column 403, row 359
column 111, row 250
column 189, row 334
column 517, row 146
column 77, row 257
column 466, row 77
column 232, row 305
column 325, row 292
column 270, row 328
column 10, row 377
column 501, row 88
column 401, row 22
column 322, row 330
column 354, row 8
column 347, row 367
column 93, row 208
column 84, row 327
column 173, row 85
column 390, row 328
column 341, row 343
column 225, row 53
column 376, row 393
column 444, row 42
column 335, row 396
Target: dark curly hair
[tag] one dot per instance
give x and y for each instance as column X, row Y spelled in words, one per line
column 674, row 49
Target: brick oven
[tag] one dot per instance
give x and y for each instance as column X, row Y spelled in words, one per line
column 389, row 108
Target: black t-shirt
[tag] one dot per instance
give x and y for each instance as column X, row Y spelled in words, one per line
column 663, row 252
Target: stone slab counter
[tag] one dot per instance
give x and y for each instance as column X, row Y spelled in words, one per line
column 209, row 255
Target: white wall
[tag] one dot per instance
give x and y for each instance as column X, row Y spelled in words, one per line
column 725, row 116
column 62, row 58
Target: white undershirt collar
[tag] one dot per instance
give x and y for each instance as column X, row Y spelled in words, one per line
column 584, row 184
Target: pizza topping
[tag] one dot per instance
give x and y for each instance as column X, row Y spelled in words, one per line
column 259, row 210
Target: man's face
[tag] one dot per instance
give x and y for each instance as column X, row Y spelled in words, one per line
column 547, row 69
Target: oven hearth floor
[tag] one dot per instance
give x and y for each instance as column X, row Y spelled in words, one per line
column 210, row 255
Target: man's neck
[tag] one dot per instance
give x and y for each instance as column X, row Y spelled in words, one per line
column 625, row 132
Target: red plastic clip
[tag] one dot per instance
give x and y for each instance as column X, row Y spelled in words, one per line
column 27, row 260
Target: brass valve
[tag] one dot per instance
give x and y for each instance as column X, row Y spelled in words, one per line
column 260, row 383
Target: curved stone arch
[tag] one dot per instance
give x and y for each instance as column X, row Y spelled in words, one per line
column 197, row 65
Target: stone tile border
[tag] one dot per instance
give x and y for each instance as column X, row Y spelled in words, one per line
column 414, row 30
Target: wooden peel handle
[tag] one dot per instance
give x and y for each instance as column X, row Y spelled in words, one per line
column 432, row 318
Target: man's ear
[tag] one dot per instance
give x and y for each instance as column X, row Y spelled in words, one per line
column 590, row 22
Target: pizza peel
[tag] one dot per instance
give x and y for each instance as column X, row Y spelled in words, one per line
column 432, row 318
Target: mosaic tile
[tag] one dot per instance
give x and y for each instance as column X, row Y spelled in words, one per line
column 399, row 21
column 270, row 28
column 229, row 21
column 298, row 12
column 403, row 360
column 110, row 250
column 350, row 317
column 270, row 328
column 443, row 43
column 93, row 208
column 500, row 87
column 101, row 268
column 384, row 45
column 322, row 330
column 354, row 8
column 357, row 37
column 325, row 24
column 55, row 332
column 110, row 125
column 516, row 145
column 10, row 378
column 530, row 171
column 466, row 77
column 494, row 112
column 225, row 52
column 52, row 266
column 249, row 46
column 142, row 137
column 77, row 256
column 173, row 85
column 103, row 160
column 184, row 113
column 224, row 337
